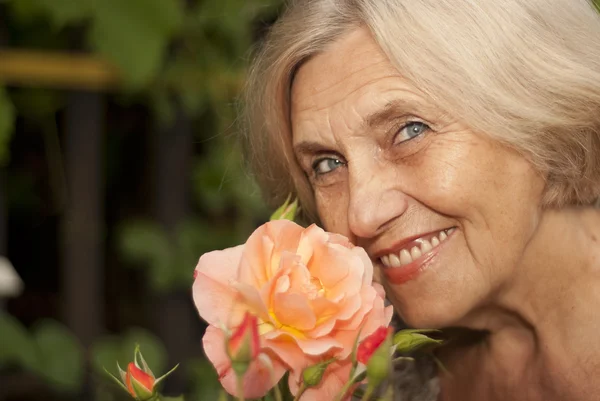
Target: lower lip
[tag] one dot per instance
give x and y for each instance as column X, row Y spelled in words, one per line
column 403, row 274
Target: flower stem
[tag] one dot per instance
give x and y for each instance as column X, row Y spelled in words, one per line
column 240, row 387
column 344, row 390
column 368, row 393
column 277, row 392
column 301, row 391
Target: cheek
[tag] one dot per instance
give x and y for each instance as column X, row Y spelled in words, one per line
column 332, row 207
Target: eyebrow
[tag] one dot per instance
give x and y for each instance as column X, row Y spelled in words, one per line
column 393, row 109
column 309, row 148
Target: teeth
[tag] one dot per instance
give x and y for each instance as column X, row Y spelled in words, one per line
column 415, row 252
column 405, row 256
column 385, row 260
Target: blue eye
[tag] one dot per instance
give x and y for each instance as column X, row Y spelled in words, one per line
column 326, row 165
column 411, row 130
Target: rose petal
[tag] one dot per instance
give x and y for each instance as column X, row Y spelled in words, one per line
column 377, row 317
column 282, row 284
column 257, row 380
column 310, row 346
column 255, row 266
column 368, row 297
column 327, row 317
column 286, row 235
column 213, row 296
column 251, row 298
column 351, row 262
column 287, row 351
column 269, row 289
column 294, row 310
column 311, row 238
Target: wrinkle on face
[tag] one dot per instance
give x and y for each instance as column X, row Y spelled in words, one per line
column 448, row 176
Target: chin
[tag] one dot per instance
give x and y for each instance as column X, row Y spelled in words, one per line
column 430, row 309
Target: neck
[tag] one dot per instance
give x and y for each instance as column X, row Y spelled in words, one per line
column 561, row 256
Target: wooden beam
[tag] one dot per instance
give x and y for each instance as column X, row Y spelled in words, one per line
column 57, row 70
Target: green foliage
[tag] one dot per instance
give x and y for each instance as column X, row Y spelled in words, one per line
column 171, row 262
column 64, row 12
column 61, row 360
column 135, row 34
column 25, row 11
column 49, row 351
column 37, row 103
column 17, row 347
column 410, row 340
column 287, row 211
column 7, row 121
column 204, row 379
column 220, row 182
column 109, row 350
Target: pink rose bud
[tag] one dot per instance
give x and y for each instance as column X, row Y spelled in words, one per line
column 375, row 352
column 369, row 345
column 244, row 345
column 138, row 380
column 139, row 383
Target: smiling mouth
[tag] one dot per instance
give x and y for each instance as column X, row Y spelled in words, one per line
column 416, row 249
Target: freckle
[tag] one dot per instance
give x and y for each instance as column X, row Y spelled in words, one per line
column 594, row 238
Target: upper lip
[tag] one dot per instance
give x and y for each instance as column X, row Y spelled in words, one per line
column 400, row 244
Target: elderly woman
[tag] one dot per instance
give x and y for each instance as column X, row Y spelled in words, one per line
column 458, row 142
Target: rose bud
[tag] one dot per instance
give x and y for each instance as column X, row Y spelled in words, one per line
column 369, row 344
column 312, row 375
column 139, row 383
column 375, row 352
column 244, row 346
column 138, row 380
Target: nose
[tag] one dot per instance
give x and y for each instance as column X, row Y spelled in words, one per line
column 376, row 200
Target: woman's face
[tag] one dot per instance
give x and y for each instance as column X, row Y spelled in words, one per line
column 445, row 212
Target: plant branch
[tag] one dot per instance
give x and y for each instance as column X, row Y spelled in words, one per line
column 301, row 391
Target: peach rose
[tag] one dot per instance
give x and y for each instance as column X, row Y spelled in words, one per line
column 312, row 292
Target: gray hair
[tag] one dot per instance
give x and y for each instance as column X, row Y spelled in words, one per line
column 524, row 72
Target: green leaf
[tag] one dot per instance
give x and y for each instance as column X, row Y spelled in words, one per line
column 204, row 380
column 135, row 34
column 17, row 345
column 105, row 354
column 7, row 123
column 180, row 398
column 25, row 11
column 65, row 12
column 61, row 356
column 144, row 241
column 286, row 211
column 38, row 103
column 411, row 340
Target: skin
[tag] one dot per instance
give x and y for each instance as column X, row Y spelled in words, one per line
column 527, row 277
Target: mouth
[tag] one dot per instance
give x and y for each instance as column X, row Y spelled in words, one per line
column 405, row 262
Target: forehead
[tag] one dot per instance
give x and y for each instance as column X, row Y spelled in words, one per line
column 343, row 85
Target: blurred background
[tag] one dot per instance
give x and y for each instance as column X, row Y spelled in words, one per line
column 119, row 167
